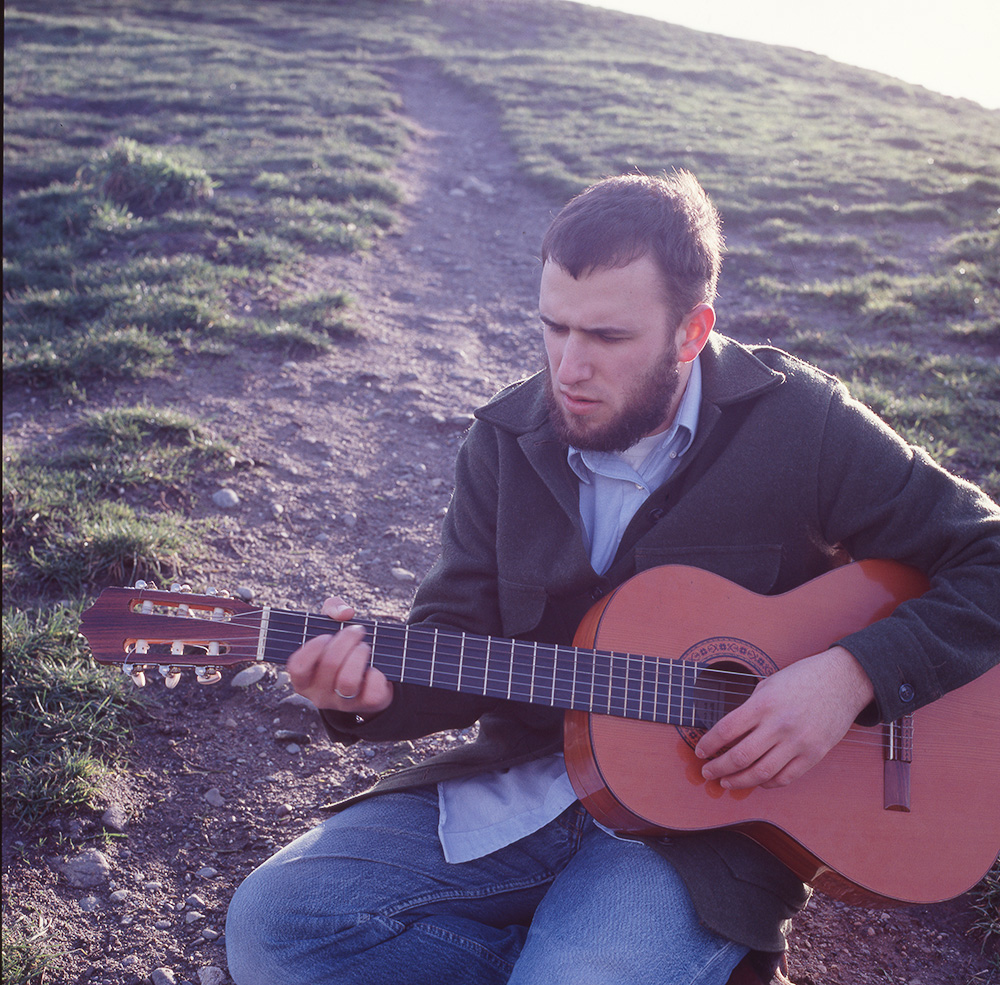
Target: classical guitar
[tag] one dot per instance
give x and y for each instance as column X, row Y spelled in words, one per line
column 907, row 812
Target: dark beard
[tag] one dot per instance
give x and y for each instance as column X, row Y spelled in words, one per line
column 645, row 410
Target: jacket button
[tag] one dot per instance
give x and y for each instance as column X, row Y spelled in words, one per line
column 906, row 692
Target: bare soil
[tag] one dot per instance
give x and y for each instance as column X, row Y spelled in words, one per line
column 348, row 469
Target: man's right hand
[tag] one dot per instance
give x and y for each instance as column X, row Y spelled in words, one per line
column 334, row 671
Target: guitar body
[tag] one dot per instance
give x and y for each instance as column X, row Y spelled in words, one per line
column 643, row 777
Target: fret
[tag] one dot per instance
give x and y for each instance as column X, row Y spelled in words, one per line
column 498, row 668
column 510, row 676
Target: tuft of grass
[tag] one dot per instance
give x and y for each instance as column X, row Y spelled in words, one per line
column 89, row 515
column 25, row 959
column 64, row 718
column 986, row 903
column 146, row 179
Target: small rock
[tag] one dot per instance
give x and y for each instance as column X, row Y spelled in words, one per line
column 286, row 735
column 231, row 722
column 402, row 575
column 297, row 701
column 115, row 818
column 210, row 935
column 162, row 976
column 162, row 925
column 207, row 872
column 245, row 593
column 282, row 678
column 89, row 868
column 194, row 901
column 226, row 499
column 88, row 904
column 119, row 896
column 349, row 520
column 293, row 748
column 130, row 962
column 249, row 675
column 193, row 916
column 283, row 810
column 214, row 797
column 211, row 976
column 277, row 510
column 153, row 884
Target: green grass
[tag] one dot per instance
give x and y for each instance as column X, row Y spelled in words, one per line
column 64, row 718
column 25, row 958
column 155, row 174
column 986, row 903
column 89, row 514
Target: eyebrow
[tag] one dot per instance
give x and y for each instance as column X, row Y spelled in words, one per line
column 552, row 323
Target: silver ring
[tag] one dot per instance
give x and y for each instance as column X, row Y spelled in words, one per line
column 346, row 697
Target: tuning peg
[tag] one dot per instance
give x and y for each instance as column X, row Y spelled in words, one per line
column 170, row 676
column 140, row 584
column 138, row 677
column 208, row 675
column 211, row 591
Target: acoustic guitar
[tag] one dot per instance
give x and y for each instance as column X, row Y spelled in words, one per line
column 902, row 813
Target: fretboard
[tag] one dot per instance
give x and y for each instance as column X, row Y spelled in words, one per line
column 603, row 682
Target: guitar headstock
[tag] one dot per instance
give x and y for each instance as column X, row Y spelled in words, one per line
column 143, row 629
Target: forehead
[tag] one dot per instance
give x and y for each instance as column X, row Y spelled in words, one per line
column 629, row 295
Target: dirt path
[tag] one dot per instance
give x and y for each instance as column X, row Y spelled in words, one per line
column 352, row 456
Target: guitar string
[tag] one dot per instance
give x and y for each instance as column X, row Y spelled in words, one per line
column 634, row 689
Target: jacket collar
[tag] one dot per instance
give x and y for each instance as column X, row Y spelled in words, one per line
column 730, row 373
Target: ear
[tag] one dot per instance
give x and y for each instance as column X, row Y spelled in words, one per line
column 694, row 332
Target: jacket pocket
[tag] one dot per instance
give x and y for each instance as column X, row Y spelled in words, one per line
column 521, row 607
column 754, row 566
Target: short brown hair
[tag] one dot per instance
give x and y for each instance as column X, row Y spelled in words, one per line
column 668, row 217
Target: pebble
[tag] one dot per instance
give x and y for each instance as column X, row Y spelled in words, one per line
column 162, row 924
column 210, row 935
column 214, row 797
column 249, row 675
column 403, row 575
column 207, row 872
column 162, row 976
column 286, row 735
column 297, row 701
column 88, row 904
column 245, row 592
column 226, row 499
column 115, row 819
column 211, row 975
column 293, row 748
column 194, row 900
column 119, row 896
column 89, row 868
column 193, row 916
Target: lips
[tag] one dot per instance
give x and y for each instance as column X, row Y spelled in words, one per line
column 577, row 404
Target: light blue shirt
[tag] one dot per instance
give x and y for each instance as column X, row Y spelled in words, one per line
column 482, row 814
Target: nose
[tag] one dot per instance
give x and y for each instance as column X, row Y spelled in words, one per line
column 573, row 361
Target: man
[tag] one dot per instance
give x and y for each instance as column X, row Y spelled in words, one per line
column 649, row 440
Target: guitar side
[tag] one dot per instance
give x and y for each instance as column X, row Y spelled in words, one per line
column 829, row 826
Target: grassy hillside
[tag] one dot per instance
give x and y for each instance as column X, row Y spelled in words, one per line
column 173, row 172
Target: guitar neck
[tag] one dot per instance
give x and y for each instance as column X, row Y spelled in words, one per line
column 603, row 682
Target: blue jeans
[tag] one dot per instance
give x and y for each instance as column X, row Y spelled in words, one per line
column 367, row 897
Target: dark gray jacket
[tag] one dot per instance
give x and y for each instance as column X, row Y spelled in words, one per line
column 787, row 478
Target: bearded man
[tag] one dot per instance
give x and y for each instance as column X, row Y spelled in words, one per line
column 648, row 440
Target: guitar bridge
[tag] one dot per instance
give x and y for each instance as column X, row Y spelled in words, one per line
column 898, row 744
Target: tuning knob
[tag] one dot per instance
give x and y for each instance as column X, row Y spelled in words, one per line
column 170, row 676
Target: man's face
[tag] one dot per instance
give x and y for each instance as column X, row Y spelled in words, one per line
column 612, row 354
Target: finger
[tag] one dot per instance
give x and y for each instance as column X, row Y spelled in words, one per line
column 351, row 672
column 336, row 608
column 302, row 664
